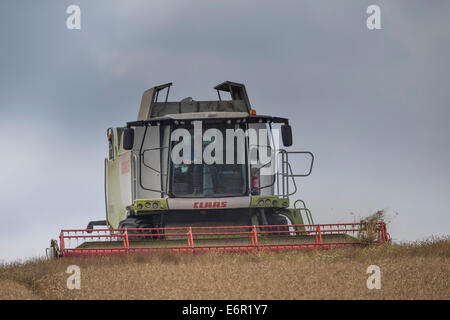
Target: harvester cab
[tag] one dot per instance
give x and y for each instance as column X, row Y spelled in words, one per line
column 199, row 163
column 202, row 175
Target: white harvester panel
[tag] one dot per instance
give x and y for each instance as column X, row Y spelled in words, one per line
column 148, row 180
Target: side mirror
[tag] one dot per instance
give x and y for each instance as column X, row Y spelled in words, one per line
column 128, row 139
column 286, row 135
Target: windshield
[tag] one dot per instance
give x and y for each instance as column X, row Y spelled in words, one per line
column 224, row 178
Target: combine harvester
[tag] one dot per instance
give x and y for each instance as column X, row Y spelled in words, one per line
column 163, row 191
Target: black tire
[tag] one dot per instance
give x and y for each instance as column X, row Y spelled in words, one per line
column 129, row 223
column 278, row 220
column 132, row 223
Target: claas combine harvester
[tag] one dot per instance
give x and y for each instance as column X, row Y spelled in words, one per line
column 193, row 176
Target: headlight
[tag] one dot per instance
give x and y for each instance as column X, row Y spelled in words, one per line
column 261, row 202
column 147, row 204
column 139, row 206
column 155, row 205
column 268, row 202
column 275, row 203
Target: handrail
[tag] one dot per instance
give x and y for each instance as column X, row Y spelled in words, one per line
column 307, row 211
column 287, row 172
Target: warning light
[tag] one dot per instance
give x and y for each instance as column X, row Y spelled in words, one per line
column 253, row 112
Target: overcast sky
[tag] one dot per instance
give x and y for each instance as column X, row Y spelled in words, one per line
column 372, row 105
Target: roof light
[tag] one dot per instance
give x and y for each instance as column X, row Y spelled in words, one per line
column 253, row 112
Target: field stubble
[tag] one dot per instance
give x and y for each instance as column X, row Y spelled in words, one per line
column 408, row 271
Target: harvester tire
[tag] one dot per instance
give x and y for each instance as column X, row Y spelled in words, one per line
column 128, row 224
column 278, row 220
column 132, row 223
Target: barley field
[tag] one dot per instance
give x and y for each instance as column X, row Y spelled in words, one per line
column 408, row 271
